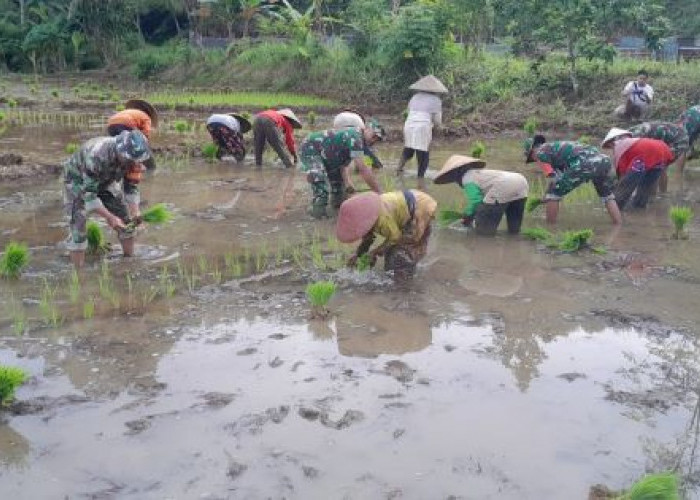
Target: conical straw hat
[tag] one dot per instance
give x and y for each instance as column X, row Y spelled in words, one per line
column 429, row 84
column 356, row 216
column 454, row 168
column 242, row 121
column 144, row 106
column 614, row 134
column 289, row 114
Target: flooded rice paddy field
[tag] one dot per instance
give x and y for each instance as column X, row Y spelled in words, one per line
column 502, row 371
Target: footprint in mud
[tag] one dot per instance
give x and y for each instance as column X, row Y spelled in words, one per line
column 349, row 418
column 399, row 370
column 217, row 399
column 253, row 423
column 572, row 376
column 247, row 351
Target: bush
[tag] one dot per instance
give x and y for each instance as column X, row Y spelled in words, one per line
column 150, row 61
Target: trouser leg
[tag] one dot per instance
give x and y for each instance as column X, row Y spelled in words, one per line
column 487, row 218
column 259, row 139
column 646, row 187
column 515, row 210
column 274, row 137
column 423, row 158
column 318, row 181
column 406, row 155
column 625, row 188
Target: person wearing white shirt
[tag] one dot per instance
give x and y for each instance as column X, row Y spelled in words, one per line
column 226, row 130
column 638, row 96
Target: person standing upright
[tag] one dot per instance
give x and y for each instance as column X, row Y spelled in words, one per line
column 424, row 112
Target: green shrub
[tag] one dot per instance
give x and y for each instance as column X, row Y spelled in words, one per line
column 150, row 61
column 14, row 260
column 10, row 379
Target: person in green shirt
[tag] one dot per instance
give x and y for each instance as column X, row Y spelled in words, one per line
column 489, row 194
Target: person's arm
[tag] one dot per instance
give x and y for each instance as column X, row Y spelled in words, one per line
column 146, row 127
column 347, row 180
column 289, row 138
column 474, row 197
column 629, row 88
column 367, row 175
column 376, row 162
column 362, row 249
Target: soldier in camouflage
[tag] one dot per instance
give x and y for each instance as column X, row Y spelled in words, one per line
column 570, row 164
column 690, row 119
column 674, row 135
column 326, row 157
column 102, row 177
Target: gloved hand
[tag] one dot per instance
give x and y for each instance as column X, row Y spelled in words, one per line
column 467, row 220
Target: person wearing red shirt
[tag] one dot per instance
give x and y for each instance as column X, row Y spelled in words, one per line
column 137, row 115
column 639, row 163
column 268, row 127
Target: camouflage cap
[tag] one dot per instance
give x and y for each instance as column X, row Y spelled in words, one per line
column 132, row 145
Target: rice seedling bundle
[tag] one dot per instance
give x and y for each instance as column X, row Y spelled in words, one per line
column 573, row 241
column 209, row 151
column 662, row 486
column 157, row 214
column 10, row 379
column 97, row 243
column 681, row 217
column 14, row 260
column 537, row 234
column 447, row 217
column 320, row 292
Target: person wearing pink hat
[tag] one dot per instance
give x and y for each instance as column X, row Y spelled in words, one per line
column 402, row 218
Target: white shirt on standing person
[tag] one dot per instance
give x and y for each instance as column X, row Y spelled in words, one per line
column 639, row 92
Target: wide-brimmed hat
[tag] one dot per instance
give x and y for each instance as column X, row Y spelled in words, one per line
column 429, row 84
column 530, row 144
column 289, row 115
column 144, row 106
column 356, row 216
column 242, row 121
column 454, row 168
column 356, row 112
column 132, row 145
column 614, row 134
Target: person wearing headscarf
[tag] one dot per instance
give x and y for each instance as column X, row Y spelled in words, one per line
column 136, row 115
column 569, row 164
column 489, row 194
column 90, row 178
column 269, row 127
column 639, row 163
column 674, row 135
column 226, row 130
column 352, row 119
column 326, row 157
column 402, row 218
column 424, row 112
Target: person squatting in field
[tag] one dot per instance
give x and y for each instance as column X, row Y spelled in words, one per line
column 570, row 164
column 226, row 130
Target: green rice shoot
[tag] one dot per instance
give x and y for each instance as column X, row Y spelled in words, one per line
column 537, row 234
column 157, row 214
column 447, row 217
column 662, row 486
column 573, row 241
column 363, row 263
column 530, row 125
column 71, row 148
column 533, row 204
column 10, row 379
column 97, row 243
column 319, row 293
column 478, row 150
column 209, row 151
column 14, row 260
column 681, row 217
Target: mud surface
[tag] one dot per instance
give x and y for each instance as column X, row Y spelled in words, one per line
column 502, row 371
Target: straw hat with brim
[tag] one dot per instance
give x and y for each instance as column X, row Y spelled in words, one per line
column 242, row 121
column 144, row 106
column 356, row 216
column 614, row 134
column 454, row 168
column 429, row 84
column 289, row 115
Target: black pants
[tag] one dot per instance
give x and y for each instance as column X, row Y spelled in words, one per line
column 639, row 184
column 423, row 158
column 266, row 131
column 115, row 130
column 488, row 216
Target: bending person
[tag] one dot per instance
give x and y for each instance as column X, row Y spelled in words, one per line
column 352, row 119
column 91, row 177
column 489, row 193
column 402, row 218
column 673, row 135
column 268, row 128
column 137, row 115
column 226, row 130
column 569, row 164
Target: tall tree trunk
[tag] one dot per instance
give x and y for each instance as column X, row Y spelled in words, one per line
column 572, row 67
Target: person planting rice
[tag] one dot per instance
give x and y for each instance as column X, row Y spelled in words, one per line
column 402, row 218
column 326, row 157
column 639, row 164
column 352, row 119
column 690, row 119
column 569, row 164
column 268, row 127
column 673, row 135
column 424, row 111
column 91, row 184
column 137, row 115
column 489, row 193
column 226, row 130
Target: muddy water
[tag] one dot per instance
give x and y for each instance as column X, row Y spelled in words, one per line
column 502, row 371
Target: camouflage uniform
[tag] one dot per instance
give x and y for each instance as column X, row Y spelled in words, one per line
column 575, row 163
column 675, row 136
column 690, row 119
column 93, row 178
column 323, row 155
